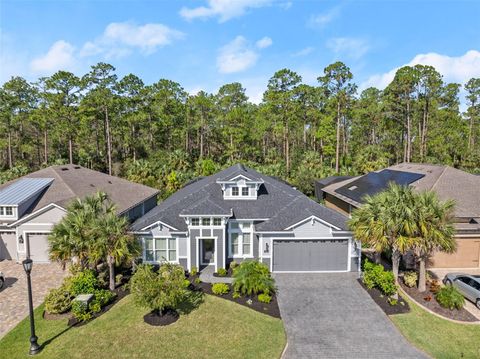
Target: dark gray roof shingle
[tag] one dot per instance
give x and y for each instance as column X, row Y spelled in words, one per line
column 279, row 204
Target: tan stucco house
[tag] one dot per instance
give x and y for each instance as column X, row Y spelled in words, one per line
column 31, row 205
column 344, row 194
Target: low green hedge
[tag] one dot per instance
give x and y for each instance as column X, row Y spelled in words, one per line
column 375, row 276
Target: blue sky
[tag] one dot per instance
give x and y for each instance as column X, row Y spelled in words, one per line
column 203, row 44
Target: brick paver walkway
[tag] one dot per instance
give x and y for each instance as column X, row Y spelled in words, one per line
column 14, row 296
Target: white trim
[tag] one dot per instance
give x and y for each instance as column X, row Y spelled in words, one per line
column 157, row 223
column 275, row 232
column 240, row 231
column 36, row 213
column 310, row 218
column 167, row 249
column 310, row 238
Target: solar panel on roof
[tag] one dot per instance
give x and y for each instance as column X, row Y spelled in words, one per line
column 375, row 182
column 22, row 190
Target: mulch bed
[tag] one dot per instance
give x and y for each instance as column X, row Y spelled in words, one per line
column 228, row 275
column 167, row 317
column 432, row 304
column 382, row 301
column 270, row 309
column 120, row 294
column 49, row 316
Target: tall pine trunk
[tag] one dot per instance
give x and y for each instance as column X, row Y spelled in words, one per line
column 337, row 150
column 109, row 141
column 70, row 149
column 45, row 146
column 10, row 161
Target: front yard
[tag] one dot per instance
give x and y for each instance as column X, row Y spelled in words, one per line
column 216, row 329
column 438, row 337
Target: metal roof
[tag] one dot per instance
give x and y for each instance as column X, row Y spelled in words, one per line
column 23, row 189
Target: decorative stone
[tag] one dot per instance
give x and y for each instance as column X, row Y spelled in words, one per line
column 84, row 298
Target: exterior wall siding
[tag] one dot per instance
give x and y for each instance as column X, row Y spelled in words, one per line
column 194, row 233
column 219, row 253
column 8, row 246
column 312, row 229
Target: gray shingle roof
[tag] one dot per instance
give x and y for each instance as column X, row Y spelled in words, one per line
column 72, row 181
column 277, row 202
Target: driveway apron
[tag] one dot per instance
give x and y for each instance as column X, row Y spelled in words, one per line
column 331, row 316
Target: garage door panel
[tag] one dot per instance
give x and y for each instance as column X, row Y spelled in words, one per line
column 38, row 247
column 467, row 255
column 310, row 255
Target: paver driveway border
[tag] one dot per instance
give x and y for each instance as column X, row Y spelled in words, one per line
column 331, row 316
column 14, row 297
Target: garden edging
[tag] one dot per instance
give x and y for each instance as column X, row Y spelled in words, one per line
column 436, row 314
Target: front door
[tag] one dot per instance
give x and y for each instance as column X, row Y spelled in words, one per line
column 208, row 250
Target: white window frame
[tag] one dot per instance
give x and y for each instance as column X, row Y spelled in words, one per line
column 238, row 191
column 3, row 212
column 168, row 249
column 241, row 232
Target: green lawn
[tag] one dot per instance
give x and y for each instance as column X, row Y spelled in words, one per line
column 216, row 329
column 438, row 337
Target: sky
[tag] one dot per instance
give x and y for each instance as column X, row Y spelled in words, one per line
column 203, row 44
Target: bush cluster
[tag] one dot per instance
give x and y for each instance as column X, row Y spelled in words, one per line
column 220, row 288
column 410, row 279
column 449, row 297
column 221, row 272
column 82, row 283
column 264, row 298
column 58, row 300
column 253, row 277
column 375, row 276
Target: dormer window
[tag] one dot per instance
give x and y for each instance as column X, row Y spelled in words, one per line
column 240, row 187
column 6, row 211
column 235, row 191
column 245, row 191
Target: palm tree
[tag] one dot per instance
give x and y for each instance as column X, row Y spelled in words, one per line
column 435, row 230
column 386, row 222
column 113, row 243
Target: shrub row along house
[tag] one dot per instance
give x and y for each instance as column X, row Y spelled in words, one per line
column 31, row 205
column 344, row 194
column 236, row 214
column 240, row 214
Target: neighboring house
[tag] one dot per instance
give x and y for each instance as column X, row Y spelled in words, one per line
column 240, row 214
column 346, row 194
column 31, row 205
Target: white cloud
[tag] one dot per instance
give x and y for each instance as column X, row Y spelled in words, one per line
column 236, row 56
column 223, row 9
column 120, row 38
column 264, row 42
column 60, row 56
column 304, row 52
column 353, row 48
column 323, row 19
column 454, row 69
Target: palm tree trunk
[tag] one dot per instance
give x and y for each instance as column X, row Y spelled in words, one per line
column 422, row 275
column 111, row 270
column 395, row 264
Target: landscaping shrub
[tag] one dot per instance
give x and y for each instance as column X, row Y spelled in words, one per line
column 103, row 296
column 435, row 286
column 95, row 307
column 158, row 291
column 392, row 301
column 253, row 277
column 220, row 288
column 194, row 271
column 82, row 283
column 235, row 295
column 233, row 265
column 410, row 279
column 80, row 311
column 197, row 280
column 221, row 272
column 264, row 298
column 118, row 279
column 449, row 297
column 375, row 276
column 58, row 301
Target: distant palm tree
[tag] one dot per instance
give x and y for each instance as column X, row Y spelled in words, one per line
column 113, row 243
column 386, row 221
column 435, row 230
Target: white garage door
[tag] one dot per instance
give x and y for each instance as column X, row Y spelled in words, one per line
column 312, row 255
column 38, row 246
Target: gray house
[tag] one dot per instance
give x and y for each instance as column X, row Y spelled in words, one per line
column 31, row 205
column 240, row 214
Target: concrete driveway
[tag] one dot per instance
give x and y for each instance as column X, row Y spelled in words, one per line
column 331, row 316
column 14, row 295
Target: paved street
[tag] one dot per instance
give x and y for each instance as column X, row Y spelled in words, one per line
column 331, row 316
column 14, row 296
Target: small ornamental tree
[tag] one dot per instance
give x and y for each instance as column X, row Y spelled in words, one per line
column 158, row 291
column 253, row 277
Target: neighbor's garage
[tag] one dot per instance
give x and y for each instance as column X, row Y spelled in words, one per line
column 38, row 246
column 466, row 256
column 311, row 255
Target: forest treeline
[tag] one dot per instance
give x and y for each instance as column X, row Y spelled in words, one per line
column 162, row 136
